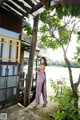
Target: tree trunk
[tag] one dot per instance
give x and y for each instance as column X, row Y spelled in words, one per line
column 31, row 58
column 75, row 95
column 70, row 72
column 73, row 85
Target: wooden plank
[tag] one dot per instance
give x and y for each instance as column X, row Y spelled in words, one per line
column 12, row 11
column 35, row 8
column 21, row 4
column 1, row 2
column 15, row 7
column 30, row 3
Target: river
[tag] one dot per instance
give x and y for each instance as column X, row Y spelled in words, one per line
column 56, row 73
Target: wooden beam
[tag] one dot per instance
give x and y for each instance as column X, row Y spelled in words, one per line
column 12, row 11
column 1, row 2
column 21, row 4
column 30, row 3
column 35, row 8
column 15, row 7
column 31, row 58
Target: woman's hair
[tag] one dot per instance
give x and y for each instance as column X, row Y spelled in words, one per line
column 45, row 61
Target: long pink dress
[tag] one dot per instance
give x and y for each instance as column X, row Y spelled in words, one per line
column 41, row 88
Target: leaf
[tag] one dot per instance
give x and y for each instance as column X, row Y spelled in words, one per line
column 28, row 29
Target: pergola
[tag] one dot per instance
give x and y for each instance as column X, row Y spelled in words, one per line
column 22, row 8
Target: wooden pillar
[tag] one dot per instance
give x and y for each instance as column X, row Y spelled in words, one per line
column 31, row 58
column 22, row 60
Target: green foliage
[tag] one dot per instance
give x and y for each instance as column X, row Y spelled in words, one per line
column 67, row 10
column 74, row 64
column 64, row 36
column 49, row 42
column 28, row 29
column 25, row 62
column 77, row 55
column 53, row 23
column 65, row 101
column 79, row 62
column 54, row 33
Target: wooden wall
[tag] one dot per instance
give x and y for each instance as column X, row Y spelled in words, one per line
column 10, row 21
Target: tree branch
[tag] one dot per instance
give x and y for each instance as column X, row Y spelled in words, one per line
column 78, row 81
column 71, row 34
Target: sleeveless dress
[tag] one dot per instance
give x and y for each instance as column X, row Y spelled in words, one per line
column 41, row 87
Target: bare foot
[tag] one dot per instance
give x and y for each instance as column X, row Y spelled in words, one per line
column 44, row 105
column 35, row 106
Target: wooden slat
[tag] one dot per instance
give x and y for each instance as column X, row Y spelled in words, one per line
column 3, row 10
column 14, row 7
column 30, row 3
column 12, row 11
column 35, row 8
column 2, row 1
column 21, row 4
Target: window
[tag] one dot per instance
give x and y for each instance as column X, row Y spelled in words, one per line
column 9, row 49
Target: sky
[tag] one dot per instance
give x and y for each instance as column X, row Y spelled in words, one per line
column 58, row 54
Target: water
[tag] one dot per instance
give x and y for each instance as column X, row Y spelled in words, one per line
column 56, row 73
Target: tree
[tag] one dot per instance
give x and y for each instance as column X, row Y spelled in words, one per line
column 60, row 23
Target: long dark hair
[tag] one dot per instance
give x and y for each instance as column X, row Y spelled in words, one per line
column 45, row 61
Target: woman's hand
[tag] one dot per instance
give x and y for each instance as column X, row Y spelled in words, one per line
column 35, row 69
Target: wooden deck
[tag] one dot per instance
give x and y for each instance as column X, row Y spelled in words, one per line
column 18, row 112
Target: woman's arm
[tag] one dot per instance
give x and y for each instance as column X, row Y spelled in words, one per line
column 41, row 70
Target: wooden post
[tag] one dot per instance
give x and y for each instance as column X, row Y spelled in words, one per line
column 22, row 60
column 31, row 58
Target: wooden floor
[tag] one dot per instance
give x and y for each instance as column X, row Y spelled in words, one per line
column 46, row 113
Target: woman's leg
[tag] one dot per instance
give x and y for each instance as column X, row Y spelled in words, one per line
column 38, row 92
column 44, row 93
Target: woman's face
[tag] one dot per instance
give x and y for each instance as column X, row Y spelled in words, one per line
column 42, row 61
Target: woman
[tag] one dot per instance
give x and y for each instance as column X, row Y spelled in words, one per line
column 41, row 83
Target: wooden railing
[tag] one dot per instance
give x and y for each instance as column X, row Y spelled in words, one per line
column 8, row 43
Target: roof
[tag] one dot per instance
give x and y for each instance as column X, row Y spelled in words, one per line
column 25, row 46
column 22, row 8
